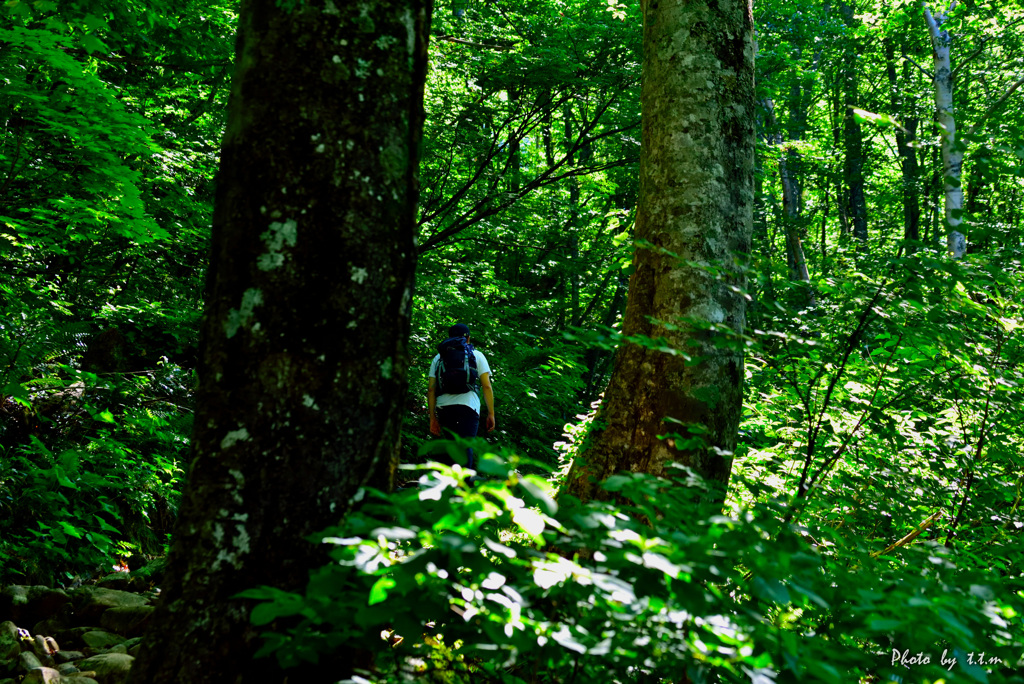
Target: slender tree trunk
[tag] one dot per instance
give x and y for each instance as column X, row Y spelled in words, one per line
column 792, row 195
column 853, row 138
column 952, row 150
column 906, row 136
column 824, row 224
column 791, row 198
column 514, row 145
column 303, row 364
column 570, row 276
column 836, row 116
column 594, row 359
column 696, row 200
column 853, row 172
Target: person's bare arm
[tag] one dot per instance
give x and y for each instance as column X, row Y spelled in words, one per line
column 485, row 382
column 435, row 427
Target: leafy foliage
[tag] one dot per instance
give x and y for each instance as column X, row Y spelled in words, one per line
column 112, row 115
column 99, row 479
column 875, row 499
column 494, row 581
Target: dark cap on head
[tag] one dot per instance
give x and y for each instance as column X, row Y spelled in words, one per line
column 458, row 330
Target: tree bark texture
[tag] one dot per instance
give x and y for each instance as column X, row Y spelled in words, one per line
column 304, row 358
column 952, row 151
column 695, row 210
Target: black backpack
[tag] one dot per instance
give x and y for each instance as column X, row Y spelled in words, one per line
column 456, row 371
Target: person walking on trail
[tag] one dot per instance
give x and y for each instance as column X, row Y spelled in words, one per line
column 451, row 387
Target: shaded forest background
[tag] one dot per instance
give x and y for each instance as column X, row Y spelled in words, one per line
column 875, row 496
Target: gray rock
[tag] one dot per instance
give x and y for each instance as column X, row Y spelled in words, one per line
column 124, row 581
column 110, row 668
column 72, row 638
column 68, row 656
column 8, row 681
column 120, row 648
column 128, row 620
column 42, row 675
column 27, row 661
column 42, row 650
column 49, row 626
column 67, row 668
column 10, row 644
column 133, row 642
column 92, row 602
column 45, row 602
column 12, row 598
column 81, row 678
column 134, row 646
column 28, row 605
column 40, row 647
column 99, row 640
column 116, row 580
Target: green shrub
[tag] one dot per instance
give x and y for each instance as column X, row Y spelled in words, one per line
column 495, row 581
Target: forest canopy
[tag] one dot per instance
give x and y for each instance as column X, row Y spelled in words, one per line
column 868, row 524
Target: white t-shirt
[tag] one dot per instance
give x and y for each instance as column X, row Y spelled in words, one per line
column 470, row 399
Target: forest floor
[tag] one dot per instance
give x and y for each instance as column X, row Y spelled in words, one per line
column 88, row 634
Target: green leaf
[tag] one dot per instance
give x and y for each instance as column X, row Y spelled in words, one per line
column 69, row 461
column 62, row 479
column 539, row 491
column 529, row 521
column 270, row 611
column 884, row 624
column 379, row 590
column 105, row 526
column 17, row 392
column 262, row 593
column 771, row 590
column 91, row 44
column 70, row 529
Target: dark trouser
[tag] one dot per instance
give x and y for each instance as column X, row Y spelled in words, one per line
column 461, row 420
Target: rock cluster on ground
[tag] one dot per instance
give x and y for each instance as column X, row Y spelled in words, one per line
column 86, row 635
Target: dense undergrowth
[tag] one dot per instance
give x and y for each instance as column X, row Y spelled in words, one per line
column 875, row 500
column 872, row 524
column 495, row 581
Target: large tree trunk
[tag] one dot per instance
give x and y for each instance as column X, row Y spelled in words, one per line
column 696, row 202
column 952, row 151
column 304, row 359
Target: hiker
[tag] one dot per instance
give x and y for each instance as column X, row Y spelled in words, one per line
column 451, row 388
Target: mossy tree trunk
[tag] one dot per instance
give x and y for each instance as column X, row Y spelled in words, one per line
column 303, row 364
column 696, row 204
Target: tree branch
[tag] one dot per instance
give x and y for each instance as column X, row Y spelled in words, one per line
column 148, row 63
column 998, row 103
column 453, row 39
column 969, row 57
column 977, row 455
column 923, row 70
column 910, row 537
